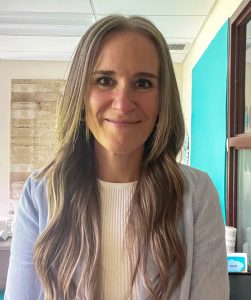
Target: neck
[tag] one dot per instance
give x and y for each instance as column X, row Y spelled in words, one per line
column 117, row 167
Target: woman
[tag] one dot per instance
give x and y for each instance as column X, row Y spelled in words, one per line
column 113, row 216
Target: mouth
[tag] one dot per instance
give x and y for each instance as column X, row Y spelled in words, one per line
column 122, row 123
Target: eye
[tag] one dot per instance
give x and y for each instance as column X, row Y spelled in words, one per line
column 105, row 81
column 144, row 83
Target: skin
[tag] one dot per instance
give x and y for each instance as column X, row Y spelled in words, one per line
column 123, row 103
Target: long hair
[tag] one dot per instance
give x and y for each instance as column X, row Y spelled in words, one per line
column 67, row 253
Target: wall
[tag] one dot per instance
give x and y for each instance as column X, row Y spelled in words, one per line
column 219, row 15
column 27, row 70
column 221, row 12
column 18, row 70
column 178, row 69
column 209, row 112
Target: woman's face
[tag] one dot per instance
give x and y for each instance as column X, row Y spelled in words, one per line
column 123, row 102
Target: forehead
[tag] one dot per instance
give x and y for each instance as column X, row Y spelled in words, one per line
column 128, row 49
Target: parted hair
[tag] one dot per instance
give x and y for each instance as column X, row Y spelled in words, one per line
column 67, row 254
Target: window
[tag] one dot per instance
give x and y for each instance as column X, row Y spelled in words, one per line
column 239, row 124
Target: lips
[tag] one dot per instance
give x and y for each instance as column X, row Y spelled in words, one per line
column 122, row 121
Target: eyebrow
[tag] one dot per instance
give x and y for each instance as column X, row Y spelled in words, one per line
column 103, row 72
column 139, row 74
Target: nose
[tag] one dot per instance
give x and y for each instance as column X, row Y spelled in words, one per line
column 123, row 99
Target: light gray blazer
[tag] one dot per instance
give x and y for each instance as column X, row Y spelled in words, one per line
column 206, row 277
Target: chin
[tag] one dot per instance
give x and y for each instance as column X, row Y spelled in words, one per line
column 125, row 149
column 123, row 146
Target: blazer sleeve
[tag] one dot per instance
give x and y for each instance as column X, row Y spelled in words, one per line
column 209, row 279
column 22, row 280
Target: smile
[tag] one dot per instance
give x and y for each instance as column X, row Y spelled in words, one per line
column 122, row 123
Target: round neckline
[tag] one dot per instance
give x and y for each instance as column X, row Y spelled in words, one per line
column 116, row 184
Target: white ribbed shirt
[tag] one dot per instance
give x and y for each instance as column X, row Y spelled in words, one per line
column 115, row 201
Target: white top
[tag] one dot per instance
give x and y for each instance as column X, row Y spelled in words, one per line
column 115, row 201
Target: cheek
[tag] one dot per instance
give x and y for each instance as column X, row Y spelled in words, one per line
column 90, row 115
column 151, row 107
column 98, row 101
column 92, row 107
column 95, row 107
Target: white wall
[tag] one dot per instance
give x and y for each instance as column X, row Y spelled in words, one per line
column 223, row 10
column 178, row 69
column 27, row 70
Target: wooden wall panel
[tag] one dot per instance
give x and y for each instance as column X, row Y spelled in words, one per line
column 33, row 119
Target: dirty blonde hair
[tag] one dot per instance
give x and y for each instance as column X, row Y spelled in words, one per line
column 67, row 253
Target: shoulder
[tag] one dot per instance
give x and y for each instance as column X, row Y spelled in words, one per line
column 192, row 176
column 35, row 187
column 33, row 200
column 195, row 180
column 199, row 189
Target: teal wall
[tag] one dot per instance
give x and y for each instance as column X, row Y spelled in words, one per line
column 1, row 294
column 209, row 112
